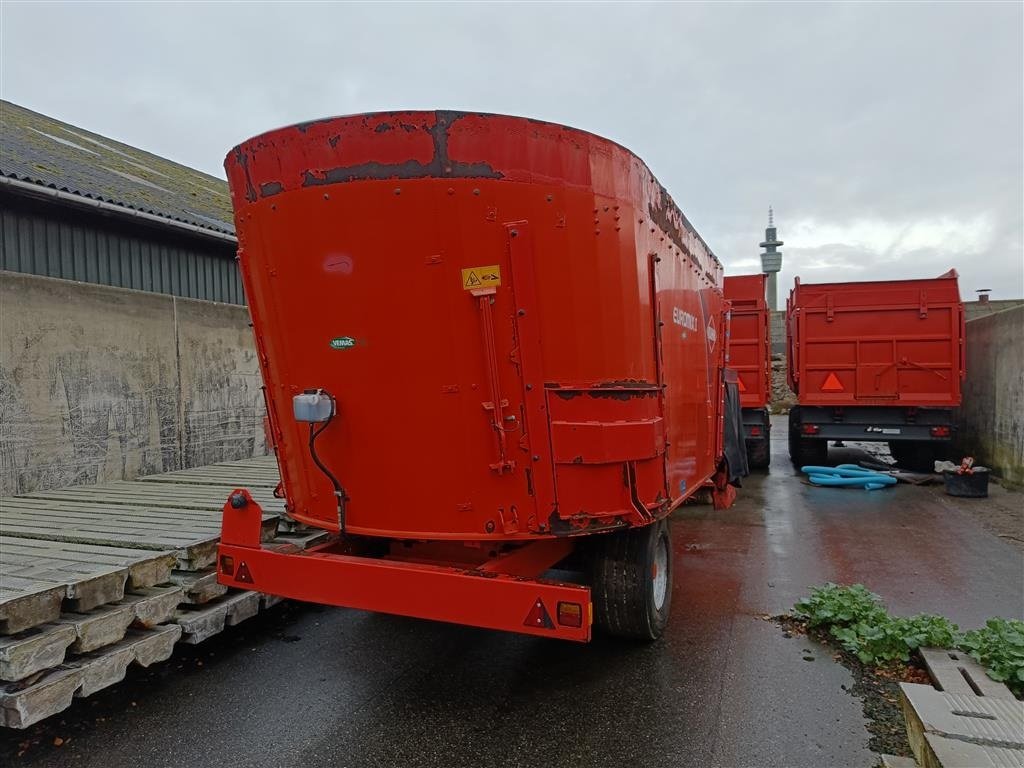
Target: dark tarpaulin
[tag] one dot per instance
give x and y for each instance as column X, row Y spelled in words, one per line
column 735, row 443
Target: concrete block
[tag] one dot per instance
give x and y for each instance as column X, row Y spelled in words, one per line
column 99, row 627
column 962, row 731
column 241, row 607
column 200, row 587
column 155, row 645
column 954, row 753
column 26, row 603
column 203, row 623
column 34, row 649
column 23, row 704
column 154, row 605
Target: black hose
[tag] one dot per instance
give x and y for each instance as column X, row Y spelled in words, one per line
column 339, row 491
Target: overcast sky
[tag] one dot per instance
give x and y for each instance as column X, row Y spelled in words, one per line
column 889, row 137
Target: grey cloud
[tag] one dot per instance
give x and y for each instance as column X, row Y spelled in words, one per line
column 836, row 113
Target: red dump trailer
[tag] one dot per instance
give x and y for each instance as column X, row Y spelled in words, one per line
column 878, row 361
column 490, row 346
column 750, row 355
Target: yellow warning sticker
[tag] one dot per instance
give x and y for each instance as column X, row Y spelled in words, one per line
column 481, row 277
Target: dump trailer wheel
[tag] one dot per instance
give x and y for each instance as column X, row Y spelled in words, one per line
column 794, row 439
column 759, row 453
column 916, row 456
column 804, row 451
column 811, row 451
column 631, row 582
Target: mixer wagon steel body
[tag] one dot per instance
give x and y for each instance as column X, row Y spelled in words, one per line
column 750, row 356
column 490, row 345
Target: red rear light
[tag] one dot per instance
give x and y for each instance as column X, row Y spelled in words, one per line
column 570, row 614
column 811, row 429
column 940, row 431
column 227, row 565
column 755, row 431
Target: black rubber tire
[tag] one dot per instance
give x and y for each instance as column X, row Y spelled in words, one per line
column 759, row 453
column 804, row 451
column 913, row 455
column 622, row 582
column 894, row 451
column 794, row 436
column 812, row 451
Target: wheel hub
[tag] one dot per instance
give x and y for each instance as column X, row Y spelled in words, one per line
column 659, row 573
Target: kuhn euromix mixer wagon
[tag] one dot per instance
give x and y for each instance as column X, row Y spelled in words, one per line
column 490, row 346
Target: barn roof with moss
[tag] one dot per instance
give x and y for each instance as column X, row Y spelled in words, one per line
column 41, row 150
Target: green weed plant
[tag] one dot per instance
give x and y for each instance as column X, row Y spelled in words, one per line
column 860, row 623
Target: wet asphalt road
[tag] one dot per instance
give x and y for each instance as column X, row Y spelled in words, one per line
column 323, row 687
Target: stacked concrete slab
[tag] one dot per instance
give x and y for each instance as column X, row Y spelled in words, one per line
column 96, row 578
column 966, row 720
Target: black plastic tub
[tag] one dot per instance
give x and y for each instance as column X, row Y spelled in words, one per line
column 969, row 486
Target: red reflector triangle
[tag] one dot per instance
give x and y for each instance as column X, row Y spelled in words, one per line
column 742, row 387
column 832, row 384
column 539, row 617
column 243, row 574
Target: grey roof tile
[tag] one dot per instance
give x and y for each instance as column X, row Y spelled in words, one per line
column 45, row 151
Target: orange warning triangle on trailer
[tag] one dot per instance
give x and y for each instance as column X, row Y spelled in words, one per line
column 832, row 384
column 742, row 387
column 539, row 617
column 244, row 574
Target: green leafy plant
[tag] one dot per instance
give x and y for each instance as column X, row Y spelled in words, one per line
column 887, row 638
column 840, row 606
column 999, row 646
column 858, row 620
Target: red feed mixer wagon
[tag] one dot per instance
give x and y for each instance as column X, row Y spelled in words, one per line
column 490, row 346
column 879, row 361
column 750, row 355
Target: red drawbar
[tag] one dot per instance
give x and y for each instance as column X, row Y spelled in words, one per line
column 494, row 594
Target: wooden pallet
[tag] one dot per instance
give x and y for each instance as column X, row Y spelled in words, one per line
column 972, row 722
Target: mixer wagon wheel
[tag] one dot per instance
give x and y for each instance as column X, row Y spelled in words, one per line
column 759, row 453
column 631, row 581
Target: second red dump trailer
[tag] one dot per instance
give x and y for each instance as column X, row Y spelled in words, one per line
column 750, row 355
column 490, row 346
column 877, row 361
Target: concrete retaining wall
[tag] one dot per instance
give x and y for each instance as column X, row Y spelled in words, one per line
column 992, row 415
column 100, row 383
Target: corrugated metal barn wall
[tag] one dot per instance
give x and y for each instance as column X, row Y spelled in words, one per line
column 56, row 241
